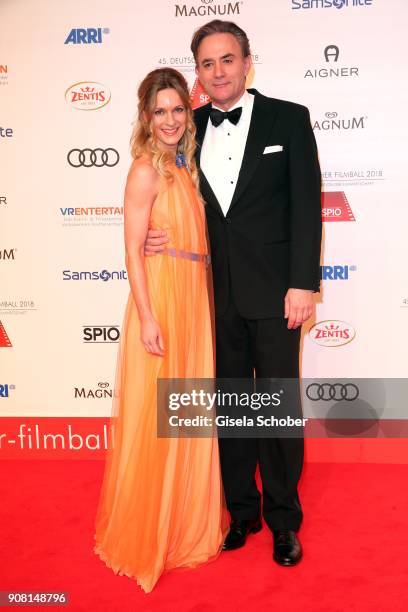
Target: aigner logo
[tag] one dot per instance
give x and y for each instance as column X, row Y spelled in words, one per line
column 93, row 157
column 331, row 55
column 337, row 391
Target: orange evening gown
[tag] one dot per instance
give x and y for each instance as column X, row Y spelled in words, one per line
column 161, row 504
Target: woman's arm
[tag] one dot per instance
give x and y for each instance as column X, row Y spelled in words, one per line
column 140, row 193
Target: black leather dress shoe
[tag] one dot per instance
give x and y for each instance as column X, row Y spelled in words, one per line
column 286, row 547
column 238, row 533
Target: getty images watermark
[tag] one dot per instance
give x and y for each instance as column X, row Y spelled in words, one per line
column 289, row 408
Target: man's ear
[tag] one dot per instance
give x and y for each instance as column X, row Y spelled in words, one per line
column 248, row 64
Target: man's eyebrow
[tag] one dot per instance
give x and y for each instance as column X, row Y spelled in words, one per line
column 210, row 59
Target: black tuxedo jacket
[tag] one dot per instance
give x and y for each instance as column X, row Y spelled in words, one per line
column 270, row 238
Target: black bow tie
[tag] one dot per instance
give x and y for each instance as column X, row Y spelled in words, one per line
column 218, row 116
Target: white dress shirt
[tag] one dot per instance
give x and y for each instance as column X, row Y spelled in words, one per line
column 223, row 150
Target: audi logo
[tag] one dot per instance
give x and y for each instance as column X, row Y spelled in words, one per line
column 93, row 157
column 337, row 391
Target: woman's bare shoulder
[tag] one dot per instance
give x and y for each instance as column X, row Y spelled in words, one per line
column 142, row 175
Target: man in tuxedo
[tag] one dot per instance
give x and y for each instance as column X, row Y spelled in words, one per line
column 260, row 179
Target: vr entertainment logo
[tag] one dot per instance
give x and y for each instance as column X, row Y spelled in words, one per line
column 323, row 4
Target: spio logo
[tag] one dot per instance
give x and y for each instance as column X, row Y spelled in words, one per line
column 5, row 390
column 335, row 207
column 87, row 95
column 102, row 333
column 87, row 158
column 86, row 36
column 4, row 339
column 7, row 254
column 104, row 275
column 327, row 392
column 332, row 333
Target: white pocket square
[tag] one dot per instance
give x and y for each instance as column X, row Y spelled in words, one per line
column 273, row 149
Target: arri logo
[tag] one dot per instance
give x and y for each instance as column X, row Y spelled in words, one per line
column 100, row 333
column 87, row 95
column 5, row 390
column 332, row 333
column 208, row 8
column 335, row 207
column 336, row 272
column 86, row 36
column 323, row 4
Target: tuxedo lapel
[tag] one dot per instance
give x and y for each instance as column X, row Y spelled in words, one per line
column 201, row 116
column 258, row 134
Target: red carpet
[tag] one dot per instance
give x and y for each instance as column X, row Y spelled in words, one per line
column 354, row 535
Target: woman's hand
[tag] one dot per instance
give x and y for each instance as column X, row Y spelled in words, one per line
column 151, row 337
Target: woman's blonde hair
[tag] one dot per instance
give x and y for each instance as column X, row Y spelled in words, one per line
column 143, row 140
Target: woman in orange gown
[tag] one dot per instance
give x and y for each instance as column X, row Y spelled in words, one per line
column 161, row 504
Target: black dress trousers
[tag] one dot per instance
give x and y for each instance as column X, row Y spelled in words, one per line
column 269, row 348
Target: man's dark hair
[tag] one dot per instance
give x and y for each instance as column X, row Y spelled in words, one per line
column 218, row 26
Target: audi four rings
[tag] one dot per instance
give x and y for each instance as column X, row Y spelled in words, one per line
column 93, row 157
column 336, row 391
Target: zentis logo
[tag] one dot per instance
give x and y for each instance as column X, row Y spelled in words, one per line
column 87, row 95
column 332, row 333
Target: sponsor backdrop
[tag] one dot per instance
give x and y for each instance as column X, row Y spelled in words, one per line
column 68, row 79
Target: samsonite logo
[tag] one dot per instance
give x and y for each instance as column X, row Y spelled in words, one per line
column 332, row 333
column 86, row 36
column 87, row 95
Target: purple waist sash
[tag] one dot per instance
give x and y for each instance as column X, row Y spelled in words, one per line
column 187, row 255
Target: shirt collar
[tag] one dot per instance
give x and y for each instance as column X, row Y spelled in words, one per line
column 243, row 101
